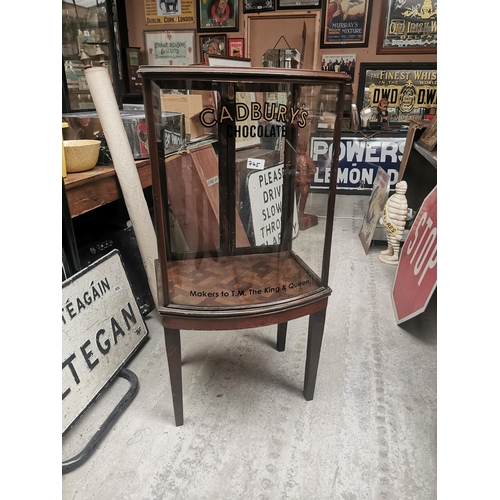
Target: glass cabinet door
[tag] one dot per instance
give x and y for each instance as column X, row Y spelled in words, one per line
column 245, row 229
column 87, row 25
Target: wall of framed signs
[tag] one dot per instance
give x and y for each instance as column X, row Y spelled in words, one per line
column 342, row 35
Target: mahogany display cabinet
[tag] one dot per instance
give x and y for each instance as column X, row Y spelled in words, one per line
column 242, row 240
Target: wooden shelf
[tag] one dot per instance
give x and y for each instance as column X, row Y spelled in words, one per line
column 99, row 186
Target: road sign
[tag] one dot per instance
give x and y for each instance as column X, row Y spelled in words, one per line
column 416, row 276
column 102, row 328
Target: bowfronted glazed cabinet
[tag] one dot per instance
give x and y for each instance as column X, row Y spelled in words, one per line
column 242, row 240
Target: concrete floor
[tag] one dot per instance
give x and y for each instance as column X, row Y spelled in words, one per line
column 368, row 434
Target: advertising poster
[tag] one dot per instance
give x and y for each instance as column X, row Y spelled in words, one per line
column 359, row 160
column 410, row 89
column 345, row 23
column 409, row 24
column 168, row 12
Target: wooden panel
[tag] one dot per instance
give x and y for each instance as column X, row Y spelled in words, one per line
column 193, row 192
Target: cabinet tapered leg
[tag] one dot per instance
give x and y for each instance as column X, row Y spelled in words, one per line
column 173, row 345
column 315, row 337
column 280, row 343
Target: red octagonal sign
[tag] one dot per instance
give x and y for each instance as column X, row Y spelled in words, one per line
column 416, row 276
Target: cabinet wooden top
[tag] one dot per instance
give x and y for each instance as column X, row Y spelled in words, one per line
column 230, row 74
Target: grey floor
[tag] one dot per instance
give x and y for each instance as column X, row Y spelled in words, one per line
column 368, row 434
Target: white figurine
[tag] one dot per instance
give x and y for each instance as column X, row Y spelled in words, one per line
column 394, row 221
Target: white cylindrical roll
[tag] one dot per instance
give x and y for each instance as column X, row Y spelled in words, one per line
column 106, row 106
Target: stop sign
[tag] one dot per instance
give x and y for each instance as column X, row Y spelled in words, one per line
column 416, row 275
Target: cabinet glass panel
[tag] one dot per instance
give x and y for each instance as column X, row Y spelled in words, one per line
column 245, row 229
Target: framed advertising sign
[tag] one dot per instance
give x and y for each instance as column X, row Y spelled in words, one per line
column 257, row 6
column 217, row 15
column 169, row 48
column 169, row 12
column 409, row 88
column 298, row 4
column 236, row 47
column 359, row 159
column 345, row 24
column 408, row 27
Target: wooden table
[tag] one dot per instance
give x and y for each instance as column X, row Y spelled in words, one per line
column 99, row 186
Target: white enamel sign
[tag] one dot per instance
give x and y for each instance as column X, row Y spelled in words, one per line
column 265, row 190
column 102, row 328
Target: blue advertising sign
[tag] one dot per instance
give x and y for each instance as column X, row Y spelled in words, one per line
column 359, row 159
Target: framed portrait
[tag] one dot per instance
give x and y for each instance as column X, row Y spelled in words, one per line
column 217, row 15
column 258, row 6
column 408, row 27
column 236, row 47
column 169, row 48
column 345, row 23
column 340, row 63
column 407, row 90
column 212, row 45
column 298, row 4
column 168, row 12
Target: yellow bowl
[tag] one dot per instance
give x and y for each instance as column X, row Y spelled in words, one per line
column 81, row 155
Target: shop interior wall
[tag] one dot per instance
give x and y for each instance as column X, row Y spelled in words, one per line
column 136, row 22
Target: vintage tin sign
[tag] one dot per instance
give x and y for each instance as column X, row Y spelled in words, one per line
column 359, row 160
column 102, row 328
column 265, row 194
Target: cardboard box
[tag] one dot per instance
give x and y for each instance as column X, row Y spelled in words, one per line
column 191, row 106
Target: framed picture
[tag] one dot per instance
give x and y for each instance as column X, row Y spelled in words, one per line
column 168, row 12
column 236, row 47
column 298, row 4
column 258, row 6
column 169, row 48
column 345, row 23
column 213, row 45
column 228, row 61
column 405, row 90
column 408, row 27
column 341, row 63
column 217, row 15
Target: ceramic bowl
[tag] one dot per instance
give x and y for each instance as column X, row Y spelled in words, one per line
column 81, row 155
